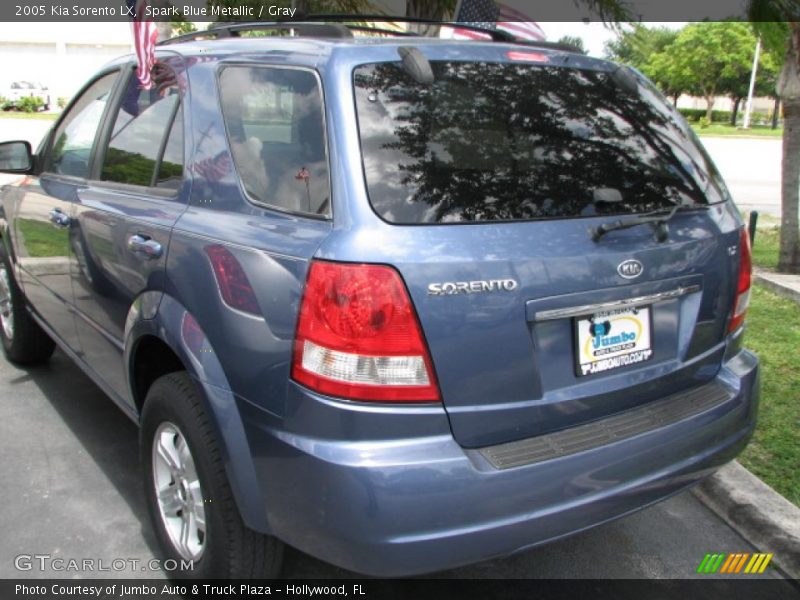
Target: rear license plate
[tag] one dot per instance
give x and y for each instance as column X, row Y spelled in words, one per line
column 613, row 339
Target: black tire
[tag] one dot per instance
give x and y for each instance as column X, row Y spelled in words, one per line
column 25, row 343
column 230, row 549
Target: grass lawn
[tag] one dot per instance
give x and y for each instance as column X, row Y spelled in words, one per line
column 11, row 114
column 727, row 130
column 41, row 239
column 766, row 246
column 774, row 334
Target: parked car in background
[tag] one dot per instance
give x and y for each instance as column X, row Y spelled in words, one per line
column 17, row 90
column 401, row 303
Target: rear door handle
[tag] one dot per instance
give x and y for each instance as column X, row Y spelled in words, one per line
column 145, row 246
column 59, row 218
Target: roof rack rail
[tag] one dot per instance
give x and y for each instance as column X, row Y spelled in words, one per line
column 497, row 35
column 234, row 29
column 342, row 26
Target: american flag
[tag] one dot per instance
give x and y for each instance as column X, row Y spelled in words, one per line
column 491, row 15
column 215, row 167
column 145, row 36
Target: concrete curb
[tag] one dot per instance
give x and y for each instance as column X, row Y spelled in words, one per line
column 782, row 284
column 757, row 512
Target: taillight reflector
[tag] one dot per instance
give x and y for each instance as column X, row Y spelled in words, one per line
column 233, row 284
column 358, row 336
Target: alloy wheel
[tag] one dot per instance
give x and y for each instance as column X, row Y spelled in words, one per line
column 178, row 492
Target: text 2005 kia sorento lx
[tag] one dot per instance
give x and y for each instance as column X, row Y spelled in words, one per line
column 401, row 303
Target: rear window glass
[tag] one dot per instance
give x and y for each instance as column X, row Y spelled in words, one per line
column 273, row 117
column 499, row 142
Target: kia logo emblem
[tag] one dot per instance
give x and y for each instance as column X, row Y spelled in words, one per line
column 630, row 269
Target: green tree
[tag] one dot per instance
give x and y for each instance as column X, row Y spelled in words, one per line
column 180, row 27
column 434, row 10
column 705, row 58
column 574, row 41
column 778, row 24
column 737, row 87
column 637, row 43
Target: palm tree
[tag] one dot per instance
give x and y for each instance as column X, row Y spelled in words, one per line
column 778, row 23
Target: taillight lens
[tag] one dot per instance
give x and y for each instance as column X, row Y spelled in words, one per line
column 233, row 284
column 743, row 284
column 358, row 336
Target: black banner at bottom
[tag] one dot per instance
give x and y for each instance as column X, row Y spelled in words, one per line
column 416, row 589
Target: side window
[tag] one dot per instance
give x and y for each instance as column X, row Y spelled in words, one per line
column 170, row 171
column 74, row 138
column 146, row 144
column 275, row 127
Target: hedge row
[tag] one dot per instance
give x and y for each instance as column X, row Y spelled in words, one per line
column 26, row 104
column 718, row 116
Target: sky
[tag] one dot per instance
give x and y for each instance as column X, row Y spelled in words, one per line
column 594, row 34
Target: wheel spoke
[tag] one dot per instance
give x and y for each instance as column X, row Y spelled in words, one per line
column 168, row 452
column 199, row 516
column 6, row 306
column 182, row 452
column 194, row 487
column 186, row 531
column 170, row 502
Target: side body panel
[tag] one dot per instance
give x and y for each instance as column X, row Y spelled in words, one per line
column 111, row 273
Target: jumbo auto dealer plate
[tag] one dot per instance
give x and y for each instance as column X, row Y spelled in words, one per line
column 613, row 339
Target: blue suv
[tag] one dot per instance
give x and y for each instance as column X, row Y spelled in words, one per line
column 402, row 303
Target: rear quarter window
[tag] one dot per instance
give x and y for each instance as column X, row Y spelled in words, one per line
column 506, row 141
column 275, row 126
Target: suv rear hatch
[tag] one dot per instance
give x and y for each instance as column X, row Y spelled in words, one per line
column 495, row 178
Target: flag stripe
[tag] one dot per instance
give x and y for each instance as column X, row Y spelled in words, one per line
column 145, row 36
column 491, row 15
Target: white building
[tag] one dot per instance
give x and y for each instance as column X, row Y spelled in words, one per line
column 61, row 56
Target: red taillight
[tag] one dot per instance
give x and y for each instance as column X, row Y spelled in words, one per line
column 358, row 336
column 233, row 284
column 743, row 284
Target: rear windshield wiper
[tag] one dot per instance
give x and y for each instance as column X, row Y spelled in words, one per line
column 658, row 219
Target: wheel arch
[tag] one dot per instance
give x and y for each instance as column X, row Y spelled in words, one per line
column 161, row 336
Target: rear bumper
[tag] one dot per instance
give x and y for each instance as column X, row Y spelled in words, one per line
column 409, row 506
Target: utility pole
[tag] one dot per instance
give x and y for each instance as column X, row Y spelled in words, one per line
column 749, row 107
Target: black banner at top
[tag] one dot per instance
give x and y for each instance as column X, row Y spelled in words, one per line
column 272, row 10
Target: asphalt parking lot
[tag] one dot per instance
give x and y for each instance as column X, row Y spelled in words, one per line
column 71, row 489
